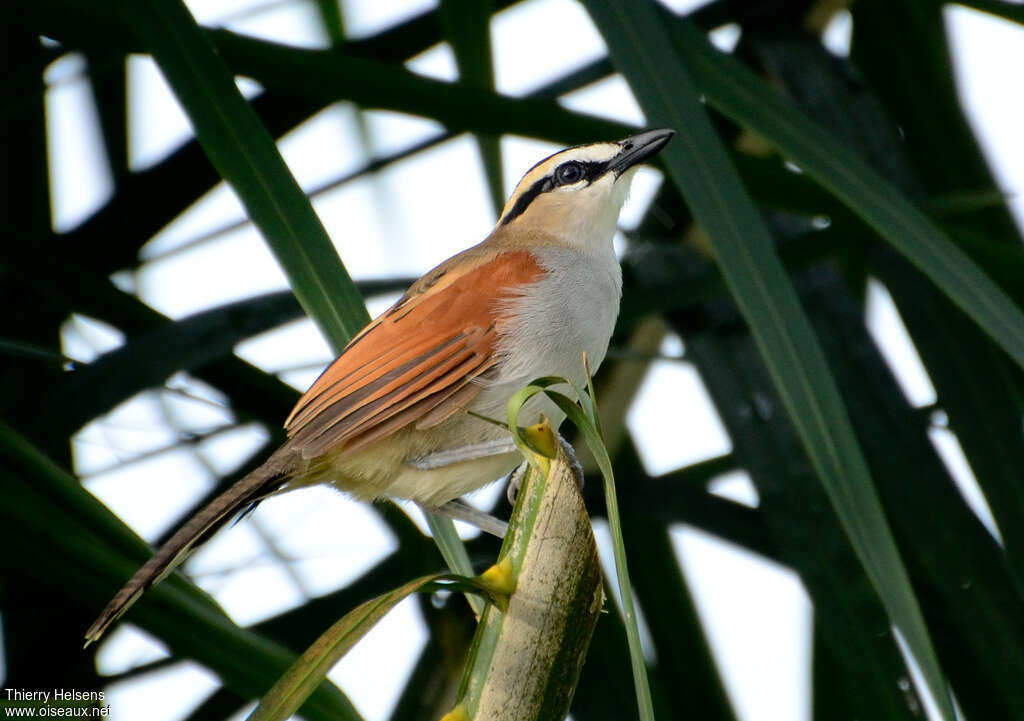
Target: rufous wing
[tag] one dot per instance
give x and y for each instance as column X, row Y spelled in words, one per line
column 416, row 362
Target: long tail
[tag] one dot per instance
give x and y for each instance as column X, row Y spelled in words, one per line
column 262, row 482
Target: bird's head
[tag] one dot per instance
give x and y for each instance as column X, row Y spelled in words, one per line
column 577, row 193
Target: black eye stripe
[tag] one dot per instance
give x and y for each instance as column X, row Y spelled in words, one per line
column 592, row 170
column 541, row 186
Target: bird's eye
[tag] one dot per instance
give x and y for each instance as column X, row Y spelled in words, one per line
column 569, row 173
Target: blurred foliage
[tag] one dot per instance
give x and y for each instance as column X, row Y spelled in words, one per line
column 888, row 112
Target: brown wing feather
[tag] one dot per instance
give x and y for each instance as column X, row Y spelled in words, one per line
column 325, row 430
column 441, row 412
column 416, row 361
column 414, row 364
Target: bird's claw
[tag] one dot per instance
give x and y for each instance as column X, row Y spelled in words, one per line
column 515, row 481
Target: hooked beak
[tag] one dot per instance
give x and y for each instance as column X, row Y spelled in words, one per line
column 639, row 148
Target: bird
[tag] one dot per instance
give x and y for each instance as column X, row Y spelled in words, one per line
column 401, row 412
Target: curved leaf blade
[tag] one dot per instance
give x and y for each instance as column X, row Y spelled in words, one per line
column 312, row 667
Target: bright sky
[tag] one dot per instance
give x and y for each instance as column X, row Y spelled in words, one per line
column 757, row 615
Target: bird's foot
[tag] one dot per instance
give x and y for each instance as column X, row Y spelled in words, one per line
column 515, row 481
column 574, row 462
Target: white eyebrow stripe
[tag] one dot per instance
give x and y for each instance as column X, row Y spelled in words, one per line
column 596, row 153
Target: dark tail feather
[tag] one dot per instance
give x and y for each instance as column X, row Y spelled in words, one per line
column 259, row 484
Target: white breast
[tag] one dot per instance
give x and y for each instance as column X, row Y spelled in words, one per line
column 572, row 309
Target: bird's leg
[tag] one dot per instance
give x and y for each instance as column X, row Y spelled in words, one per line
column 451, row 456
column 459, row 510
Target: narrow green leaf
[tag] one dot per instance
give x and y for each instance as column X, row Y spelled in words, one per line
column 246, row 156
column 796, row 510
column 62, row 541
column 312, row 667
column 588, row 427
column 454, row 552
column 1000, row 8
column 739, row 94
column 973, row 607
column 640, row 47
column 974, row 384
column 690, row 680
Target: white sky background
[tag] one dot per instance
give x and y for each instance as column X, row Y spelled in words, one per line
column 402, row 222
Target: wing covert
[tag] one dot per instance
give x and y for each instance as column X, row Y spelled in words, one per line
column 415, row 362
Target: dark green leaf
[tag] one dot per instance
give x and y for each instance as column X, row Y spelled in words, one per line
column 246, row 156
column 63, row 541
column 640, row 46
column 736, row 92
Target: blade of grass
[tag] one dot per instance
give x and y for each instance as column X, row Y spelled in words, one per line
column 691, row 682
column 640, row 47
